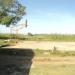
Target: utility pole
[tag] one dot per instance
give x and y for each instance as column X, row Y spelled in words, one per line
column 17, row 28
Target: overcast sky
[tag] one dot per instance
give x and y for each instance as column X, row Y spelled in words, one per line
column 50, row 16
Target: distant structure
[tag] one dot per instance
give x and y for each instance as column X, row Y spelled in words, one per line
column 17, row 28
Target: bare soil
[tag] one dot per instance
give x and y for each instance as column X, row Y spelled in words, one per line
column 54, row 60
column 46, row 45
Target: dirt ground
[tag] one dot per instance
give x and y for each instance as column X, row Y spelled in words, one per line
column 54, row 60
column 46, row 45
column 43, row 65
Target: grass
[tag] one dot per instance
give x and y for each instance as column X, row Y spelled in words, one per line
column 49, row 53
column 51, row 69
column 2, row 42
column 40, row 37
column 51, row 37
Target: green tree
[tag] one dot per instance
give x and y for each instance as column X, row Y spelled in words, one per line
column 11, row 11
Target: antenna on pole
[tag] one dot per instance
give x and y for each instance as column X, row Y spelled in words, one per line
column 26, row 23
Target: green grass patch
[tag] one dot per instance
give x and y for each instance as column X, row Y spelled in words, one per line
column 40, row 37
column 51, row 37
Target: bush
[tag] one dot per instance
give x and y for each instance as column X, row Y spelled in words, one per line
column 30, row 34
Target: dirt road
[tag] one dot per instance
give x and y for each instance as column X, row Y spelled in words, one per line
column 46, row 45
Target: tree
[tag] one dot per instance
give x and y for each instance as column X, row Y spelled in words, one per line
column 11, row 11
column 30, row 34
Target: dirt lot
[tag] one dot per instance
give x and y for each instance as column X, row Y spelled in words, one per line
column 38, row 65
column 46, row 45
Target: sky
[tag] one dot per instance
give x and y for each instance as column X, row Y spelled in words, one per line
column 48, row 16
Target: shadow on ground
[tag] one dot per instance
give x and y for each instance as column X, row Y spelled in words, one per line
column 14, row 61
